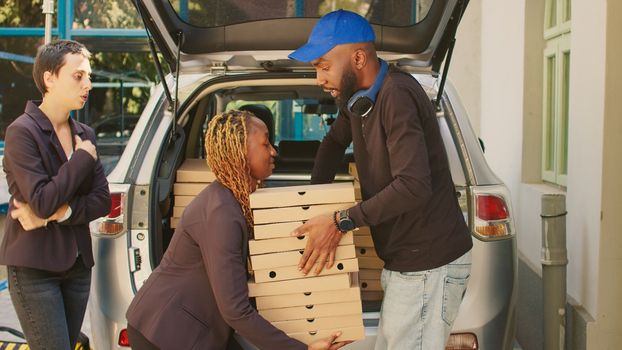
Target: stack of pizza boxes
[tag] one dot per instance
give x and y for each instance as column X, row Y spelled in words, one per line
column 309, row 307
column 192, row 177
column 370, row 265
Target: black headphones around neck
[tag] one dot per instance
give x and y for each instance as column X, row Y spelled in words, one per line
column 362, row 102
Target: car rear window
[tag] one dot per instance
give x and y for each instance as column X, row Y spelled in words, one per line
column 210, row 13
column 296, row 119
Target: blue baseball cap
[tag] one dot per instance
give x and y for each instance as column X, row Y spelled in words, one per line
column 334, row 28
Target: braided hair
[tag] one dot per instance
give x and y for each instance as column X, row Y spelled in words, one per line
column 225, row 146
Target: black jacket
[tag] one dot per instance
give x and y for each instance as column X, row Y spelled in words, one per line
column 409, row 197
column 38, row 173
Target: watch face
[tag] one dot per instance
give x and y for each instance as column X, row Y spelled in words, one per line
column 346, row 225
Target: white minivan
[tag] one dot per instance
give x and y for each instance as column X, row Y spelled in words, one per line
column 233, row 54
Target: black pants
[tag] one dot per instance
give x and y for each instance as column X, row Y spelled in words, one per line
column 50, row 306
column 139, row 342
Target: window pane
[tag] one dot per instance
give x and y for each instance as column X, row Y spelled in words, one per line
column 210, row 13
column 567, row 10
column 550, row 14
column 121, row 87
column 549, row 132
column 105, row 14
column 21, row 13
column 16, row 84
column 563, row 156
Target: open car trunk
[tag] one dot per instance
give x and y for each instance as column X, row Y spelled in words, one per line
column 300, row 114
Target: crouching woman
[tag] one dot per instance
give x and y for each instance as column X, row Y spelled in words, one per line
column 198, row 295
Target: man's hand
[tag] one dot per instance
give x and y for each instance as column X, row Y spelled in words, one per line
column 328, row 343
column 323, row 239
column 26, row 217
column 86, row 145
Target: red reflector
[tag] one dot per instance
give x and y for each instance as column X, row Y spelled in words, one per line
column 116, row 208
column 123, row 339
column 491, row 207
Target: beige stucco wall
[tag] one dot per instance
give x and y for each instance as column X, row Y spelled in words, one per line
column 585, row 149
column 466, row 66
column 606, row 333
column 502, row 42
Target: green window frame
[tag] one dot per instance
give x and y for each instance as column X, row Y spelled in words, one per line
column 556, row 83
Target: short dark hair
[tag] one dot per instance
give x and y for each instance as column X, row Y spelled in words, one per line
column 51, row 58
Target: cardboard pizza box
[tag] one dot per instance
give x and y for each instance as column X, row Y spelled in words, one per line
column 369, row 274
column 188, row 189
column 317, row 284
column 312, row 311
column 195, row 170
column 358, row 195
column 363, row 241
column 340, row 192
column 279, row 230
column 371, row 295
column 291, row 258
column 177, row 211
column 365, row 252
column 362, row 231
column 352, row 170
column 297, row 213
column 347, row 333
column 370, row 285
column 308, row 298
column 319, row 323
column 183, row 201
column 292, row 272
column 370, row 263
column 288, row 244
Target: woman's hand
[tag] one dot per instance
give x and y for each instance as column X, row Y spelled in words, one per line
column 86, row 145
column 328, row 343
column 26, row 217
column 29, row 220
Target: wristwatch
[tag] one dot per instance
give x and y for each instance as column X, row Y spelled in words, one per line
column 343, row 221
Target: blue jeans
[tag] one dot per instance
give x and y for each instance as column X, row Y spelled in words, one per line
column 50, row 306
column 420, row 307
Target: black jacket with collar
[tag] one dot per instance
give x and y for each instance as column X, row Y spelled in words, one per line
column 39, row 173
column 409, row 198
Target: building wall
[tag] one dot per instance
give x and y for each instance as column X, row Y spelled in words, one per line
column 585, row 149
column 606, row 333
column 503, row 42
column 466, row 65
column 502, row 93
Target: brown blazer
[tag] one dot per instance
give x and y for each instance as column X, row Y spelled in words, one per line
column 38, row 173
column 198, row 293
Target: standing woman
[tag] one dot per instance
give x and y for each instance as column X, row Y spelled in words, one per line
column 198, row 294
column 57, row 186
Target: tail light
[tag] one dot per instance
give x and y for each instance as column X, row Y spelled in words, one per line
column 462, row 341
column 114, row 222
column 492, row 215
column 124, row 340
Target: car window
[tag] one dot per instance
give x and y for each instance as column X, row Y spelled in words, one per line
column 296, row 119
column 204, row 13
column 112, row 133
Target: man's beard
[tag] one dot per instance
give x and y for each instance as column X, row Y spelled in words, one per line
column 348, row 84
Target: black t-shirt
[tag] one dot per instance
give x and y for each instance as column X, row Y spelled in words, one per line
column 409, row 197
